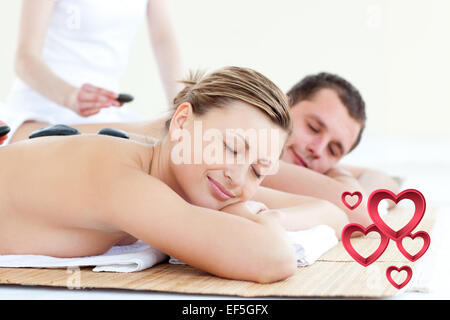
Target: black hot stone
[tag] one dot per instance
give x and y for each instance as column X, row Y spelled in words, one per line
column 114, row 132
column 55, row 130
column 124, row 98
column 4, row 130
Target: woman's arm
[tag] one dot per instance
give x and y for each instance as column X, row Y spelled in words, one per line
column 32, row 69
column 298, row 180
column 222, row 244
column 295, row 212
column 165, row 47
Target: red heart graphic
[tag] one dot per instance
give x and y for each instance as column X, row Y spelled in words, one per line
column 405, row 282
column 356, row 193
column 354, row 227
column 411, row 194
column 426, row 243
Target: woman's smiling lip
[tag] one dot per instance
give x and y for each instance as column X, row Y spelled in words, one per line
column 298, row 160
column 219, row 191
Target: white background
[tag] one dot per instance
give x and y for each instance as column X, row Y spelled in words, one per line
column 396, row 52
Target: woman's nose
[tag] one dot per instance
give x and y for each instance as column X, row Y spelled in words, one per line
column 235, row 175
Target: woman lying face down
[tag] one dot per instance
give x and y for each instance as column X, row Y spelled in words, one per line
column 328, row 116
column 79, row 195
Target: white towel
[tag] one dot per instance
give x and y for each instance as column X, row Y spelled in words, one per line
column 309, row 245
column 131, row 258
column 312, row 243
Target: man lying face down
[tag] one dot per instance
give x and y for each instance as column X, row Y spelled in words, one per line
column 329, row 118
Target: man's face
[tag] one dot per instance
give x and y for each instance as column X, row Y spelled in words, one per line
column 323, row 132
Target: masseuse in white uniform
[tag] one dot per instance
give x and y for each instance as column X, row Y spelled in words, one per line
column 71, row 55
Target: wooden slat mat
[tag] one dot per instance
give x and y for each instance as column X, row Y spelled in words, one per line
column 335, row 274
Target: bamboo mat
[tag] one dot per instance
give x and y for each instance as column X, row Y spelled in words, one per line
column 335, row 274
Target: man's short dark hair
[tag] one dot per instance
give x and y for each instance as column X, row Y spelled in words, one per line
column 306, row 88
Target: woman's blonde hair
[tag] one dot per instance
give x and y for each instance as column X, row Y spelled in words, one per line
column 217, row 89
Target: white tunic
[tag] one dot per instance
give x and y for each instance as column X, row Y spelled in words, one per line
column 87, row 42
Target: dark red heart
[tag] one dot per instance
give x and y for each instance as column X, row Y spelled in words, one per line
column 411, row 194
column 347, row 193
column 405, row 282
column 426, row 244
column 354, row 227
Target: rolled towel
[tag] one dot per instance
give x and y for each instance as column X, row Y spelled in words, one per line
column 311, row 244
column 131, row 258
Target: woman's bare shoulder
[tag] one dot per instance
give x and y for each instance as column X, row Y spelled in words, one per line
column 118, row 171
column 117, row 152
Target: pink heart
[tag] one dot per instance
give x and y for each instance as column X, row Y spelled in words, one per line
column 411, row 194
column 356, row 193
column 354, row 227
column 426, row 244
column 405, row 282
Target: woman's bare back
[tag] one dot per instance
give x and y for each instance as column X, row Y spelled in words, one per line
column 49, row 193
column 80, row 195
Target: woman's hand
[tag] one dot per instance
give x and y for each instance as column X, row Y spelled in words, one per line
column 89, row 100
column 248, row 209
column 252, row 209
column 245, row 209
column 257, row 212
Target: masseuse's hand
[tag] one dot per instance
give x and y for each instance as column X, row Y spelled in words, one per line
column 89, row 100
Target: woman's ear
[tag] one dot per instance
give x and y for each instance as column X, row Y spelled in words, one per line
column 180, row 118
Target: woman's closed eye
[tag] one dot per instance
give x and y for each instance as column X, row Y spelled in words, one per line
column 229, row 149
column 257, row 175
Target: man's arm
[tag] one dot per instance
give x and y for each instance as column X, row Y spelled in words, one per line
column 222, row 244
column 372, row 179
column 302, row 181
